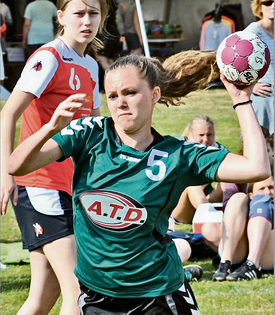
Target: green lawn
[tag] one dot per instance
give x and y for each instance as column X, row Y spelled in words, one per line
column 227, row 298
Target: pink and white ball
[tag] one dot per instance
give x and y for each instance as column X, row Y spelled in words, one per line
column 243, row 58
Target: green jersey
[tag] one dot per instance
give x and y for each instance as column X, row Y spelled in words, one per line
column 122, row 201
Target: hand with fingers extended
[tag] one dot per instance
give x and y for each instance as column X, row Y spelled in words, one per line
column 64, row 113
column 262, row 89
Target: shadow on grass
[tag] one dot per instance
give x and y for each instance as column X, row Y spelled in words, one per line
column 208, row 269
column 15, row 278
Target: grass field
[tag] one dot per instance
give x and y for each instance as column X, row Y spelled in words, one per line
column 227, row 298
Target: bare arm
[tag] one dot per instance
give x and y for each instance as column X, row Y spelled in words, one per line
column 253, row 165
column 26, row 27
column 14, row 107
column 34, row 153
column 137, row 27
column 39, row 149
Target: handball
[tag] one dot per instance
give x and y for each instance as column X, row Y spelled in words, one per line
column 243, row 58
column 147, row 28
column 177, row 28
column 156, row 29
column 166, row 29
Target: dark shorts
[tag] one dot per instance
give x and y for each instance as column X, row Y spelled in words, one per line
column 132, row 41
column 180, row 302
column 37, row 228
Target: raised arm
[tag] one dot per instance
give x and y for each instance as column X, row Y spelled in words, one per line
column 39, row 149
column 253, row 165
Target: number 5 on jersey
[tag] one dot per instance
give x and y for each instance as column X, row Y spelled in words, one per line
column 153, row 161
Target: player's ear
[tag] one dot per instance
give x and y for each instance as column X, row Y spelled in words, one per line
column 156, row 94
column 60, row 17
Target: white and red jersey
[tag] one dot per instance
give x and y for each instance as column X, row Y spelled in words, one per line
column 54, row 72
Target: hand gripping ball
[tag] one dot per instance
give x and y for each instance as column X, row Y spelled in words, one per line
column 243, row 58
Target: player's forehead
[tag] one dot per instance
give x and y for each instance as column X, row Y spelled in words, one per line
column 82, row 4
column 201, row 127
column 267, row 183
column 124, row 77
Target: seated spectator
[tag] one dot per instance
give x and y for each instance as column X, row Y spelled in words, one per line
column 249, row 247
column 270, row 151
column 212, row 232
column 187, row 246
column 200, row 129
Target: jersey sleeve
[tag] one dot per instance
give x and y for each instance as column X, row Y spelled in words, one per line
column 203, row 161
column 37, row 73
column 219, row 145
column 27, row 13
column 78, row 136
